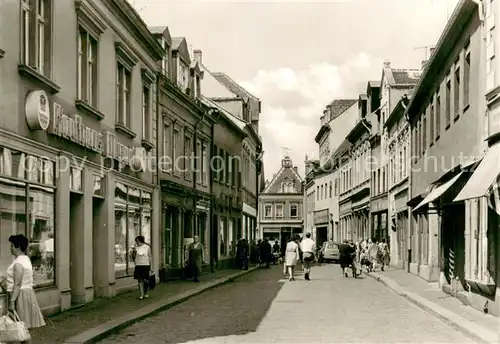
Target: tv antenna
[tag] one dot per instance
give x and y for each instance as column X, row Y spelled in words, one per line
column 427, row 49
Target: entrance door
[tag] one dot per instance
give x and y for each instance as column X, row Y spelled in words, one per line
column 77, row 282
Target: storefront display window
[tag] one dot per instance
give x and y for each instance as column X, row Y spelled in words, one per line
column 27, row 202
column 132, row 218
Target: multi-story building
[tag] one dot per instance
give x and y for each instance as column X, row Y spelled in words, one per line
column 246, row 107
column 393, row 85
column 354, row 194
column 338, row 119
column 184, row 142
column 446, row 114
column 280, row 205
column 309, row 188
column 398, row 133
column 75, row 179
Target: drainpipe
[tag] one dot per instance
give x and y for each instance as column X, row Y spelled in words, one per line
column 410, row 194
column 258, row 168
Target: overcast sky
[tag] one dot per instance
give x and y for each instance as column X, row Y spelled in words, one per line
column 298, row 56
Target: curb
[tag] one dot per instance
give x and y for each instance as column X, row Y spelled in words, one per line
column 459, row 323
column 100, row 332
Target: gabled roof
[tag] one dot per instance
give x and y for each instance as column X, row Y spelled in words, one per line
column 400, row 77
column 233, row 86
column 339, row 106
column 284, row 172
column 162, row 30
column 179, row 45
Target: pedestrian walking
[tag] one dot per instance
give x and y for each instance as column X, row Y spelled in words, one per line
column 291, row 257
column 266, row 253
column 372, row 254
column 346, row 257
column 195, row 250
column 141, row 255
column 19, row 285
column 307, row 246
column 383, row 254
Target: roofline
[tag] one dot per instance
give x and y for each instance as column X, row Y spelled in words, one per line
column 361, row 124
column 324, row 129
column 400, row 105
column 222, row 111
column 139, row 25
column 462, row 12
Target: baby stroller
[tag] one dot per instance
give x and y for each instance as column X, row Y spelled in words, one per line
column 365, row 262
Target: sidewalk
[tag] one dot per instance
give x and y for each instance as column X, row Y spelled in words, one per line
column 96, row 319
column 433, row 299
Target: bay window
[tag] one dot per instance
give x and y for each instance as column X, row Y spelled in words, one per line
column 133, row 211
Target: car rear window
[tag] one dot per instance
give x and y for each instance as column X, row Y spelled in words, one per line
column 332, row 246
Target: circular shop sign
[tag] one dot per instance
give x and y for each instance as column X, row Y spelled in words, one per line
column 37, row 110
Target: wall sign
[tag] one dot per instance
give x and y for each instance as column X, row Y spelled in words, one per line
column 72, row 128
column 37, row 110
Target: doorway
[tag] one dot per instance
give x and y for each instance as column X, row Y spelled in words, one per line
column 76, row 281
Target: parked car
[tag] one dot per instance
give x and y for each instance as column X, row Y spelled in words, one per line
column 329, row 252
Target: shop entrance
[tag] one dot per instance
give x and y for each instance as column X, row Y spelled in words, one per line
column 321, row 235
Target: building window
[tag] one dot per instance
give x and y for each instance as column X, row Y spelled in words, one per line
column 198, row 160
column 467, row 75
column 317, row 193
column 229, row 169
column 448, row 102
column 164, row 60
column 176, row 150
column 322, row 192
column 132, row 218
column 294, row 211
column 223, row 234
column 27, row 198
column 165, row 164
column 123, row 84
column 424, row 134
column 205, row 165
column 268, row 211
column 279, row 210
column 146, row 112
column 456, row 91
column 183, row 76
column 35, row 35
column 87, row 68
column 188, row 149
column 438, row 116
column 223, row 170
column 331, row 190
column 431, row 123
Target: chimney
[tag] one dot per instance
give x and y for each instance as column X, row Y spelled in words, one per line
column 424, row 63
column 198, row 56
column 296, row 169
column 431, row 51
column 387, row 64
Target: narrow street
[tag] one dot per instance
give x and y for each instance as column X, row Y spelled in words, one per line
column 264, row 308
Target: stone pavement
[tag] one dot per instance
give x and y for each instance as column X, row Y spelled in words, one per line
column 335, row 309
column 96, row 316
column 432, row 298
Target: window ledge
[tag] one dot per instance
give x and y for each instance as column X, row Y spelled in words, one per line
column 2, row 53
column 41, row 80
column 148, row 145
column 89, row 109
column 120, row 127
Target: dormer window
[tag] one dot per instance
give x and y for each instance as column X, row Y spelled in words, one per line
column 164, row 60
column 183, row 75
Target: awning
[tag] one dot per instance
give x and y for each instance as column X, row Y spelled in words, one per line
column 437, row 192
column 483, row 177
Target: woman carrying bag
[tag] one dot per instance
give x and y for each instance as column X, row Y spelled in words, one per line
column 23, row 306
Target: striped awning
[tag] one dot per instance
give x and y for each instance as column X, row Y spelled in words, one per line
column 438, row 192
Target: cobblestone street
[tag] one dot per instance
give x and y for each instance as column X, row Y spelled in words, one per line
column 327, row 309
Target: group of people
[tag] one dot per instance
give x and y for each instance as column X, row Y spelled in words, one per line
column 299, row 250
column 369, row 254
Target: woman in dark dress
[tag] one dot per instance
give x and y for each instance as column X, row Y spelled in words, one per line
column 346, row 257
column 195, row 257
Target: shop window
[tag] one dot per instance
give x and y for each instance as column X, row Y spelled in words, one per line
column 132, row 218
column 223, row 237
column 75, row 180
column 480, row 228
column 27, row 207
